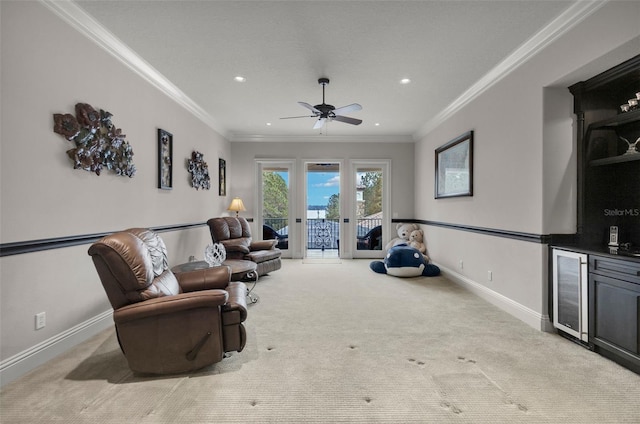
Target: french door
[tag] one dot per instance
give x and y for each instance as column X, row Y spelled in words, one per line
column 330, row 214
column 370, row 208
column 323, row 209
column 276, row 184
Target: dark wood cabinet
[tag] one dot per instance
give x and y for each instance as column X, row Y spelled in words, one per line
column 614, row 309
column 608, row 169
column 608, row 195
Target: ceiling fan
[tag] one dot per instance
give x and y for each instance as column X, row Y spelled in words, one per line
column 325, row 112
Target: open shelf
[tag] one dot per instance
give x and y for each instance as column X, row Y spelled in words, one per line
column 615, row 159
column 613, row 123
column 621, row 119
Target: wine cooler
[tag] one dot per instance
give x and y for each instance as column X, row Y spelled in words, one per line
column 570, row 294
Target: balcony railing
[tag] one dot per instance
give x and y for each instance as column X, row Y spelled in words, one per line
column 323, row 233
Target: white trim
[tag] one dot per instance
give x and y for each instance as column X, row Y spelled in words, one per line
column 575, row 14
column 92, row 29
column 523, row 313
column 17, row 365
column 75, row 16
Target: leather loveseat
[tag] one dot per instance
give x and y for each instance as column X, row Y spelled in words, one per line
column 235, row 234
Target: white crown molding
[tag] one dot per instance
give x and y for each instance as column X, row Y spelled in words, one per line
column 92, row 29
column 575, row 14
column 321, row 138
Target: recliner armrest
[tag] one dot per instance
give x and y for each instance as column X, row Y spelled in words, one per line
column 216, row 277
column 237, row 302
column 170, row 304
column 263, row 244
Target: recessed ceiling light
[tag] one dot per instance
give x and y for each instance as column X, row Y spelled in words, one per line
column 405, row 81
column 239, row 78
column 377, row 124
column 268, row 124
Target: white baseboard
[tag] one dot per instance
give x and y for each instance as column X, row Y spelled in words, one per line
column 527, row 315
column 18, row 365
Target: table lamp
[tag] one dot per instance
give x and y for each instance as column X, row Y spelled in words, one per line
column 236, row 205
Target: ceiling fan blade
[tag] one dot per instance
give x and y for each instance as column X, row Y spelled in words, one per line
column 303, row 116
column 319, row 123
column 308, row 106
column 347, row 120
column 346, row 109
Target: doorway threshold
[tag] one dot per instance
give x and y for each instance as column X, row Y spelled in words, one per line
column 321, row 261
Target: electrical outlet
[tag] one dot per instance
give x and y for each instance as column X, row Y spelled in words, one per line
column 490, row 275
column 41, row 320
column 460, row 264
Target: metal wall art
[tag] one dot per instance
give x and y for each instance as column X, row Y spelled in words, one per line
column 98, row 143
column 199, row 171
column 454, row 167
column 165, row 159
column 222, row 177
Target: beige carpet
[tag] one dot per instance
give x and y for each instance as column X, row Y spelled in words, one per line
column 337, row 343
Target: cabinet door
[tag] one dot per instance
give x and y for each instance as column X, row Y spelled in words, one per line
column 614, row 310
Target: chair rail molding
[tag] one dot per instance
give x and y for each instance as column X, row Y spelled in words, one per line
column 30, row 246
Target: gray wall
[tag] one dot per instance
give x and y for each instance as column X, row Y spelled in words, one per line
column 48, row 67
column 524, row 165
column 243, row 155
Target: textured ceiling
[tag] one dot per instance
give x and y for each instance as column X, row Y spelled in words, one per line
column 363, row 47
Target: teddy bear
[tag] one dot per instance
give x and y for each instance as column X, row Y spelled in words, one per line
column 416, row 241
column 403, row 231
column 404, row 261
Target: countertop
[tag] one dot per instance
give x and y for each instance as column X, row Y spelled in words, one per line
column 601, row 250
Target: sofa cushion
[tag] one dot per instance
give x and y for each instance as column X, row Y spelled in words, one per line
column 237, row 245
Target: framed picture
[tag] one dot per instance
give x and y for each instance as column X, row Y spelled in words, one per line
column 454, row 167
column 222, row 177
column 165, row 160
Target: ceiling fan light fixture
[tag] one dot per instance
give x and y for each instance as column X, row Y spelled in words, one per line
column 326, row 113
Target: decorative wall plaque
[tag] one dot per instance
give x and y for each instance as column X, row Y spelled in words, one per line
column 98, row 143
column 199, row 171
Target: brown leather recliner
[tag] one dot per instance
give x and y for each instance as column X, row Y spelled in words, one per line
column 234, row 233
column 168, row 323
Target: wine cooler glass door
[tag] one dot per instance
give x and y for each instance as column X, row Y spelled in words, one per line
column 570, row 301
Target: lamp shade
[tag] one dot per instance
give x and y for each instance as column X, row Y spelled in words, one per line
column 236, row 205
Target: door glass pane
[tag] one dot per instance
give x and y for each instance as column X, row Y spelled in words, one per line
column 323, row 210
column 568, row 270
column 368, row 201
column 275, row 205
